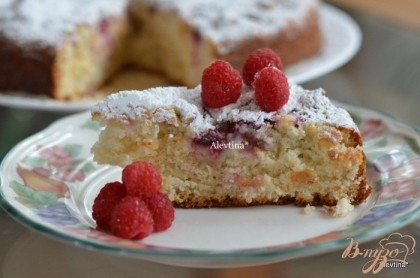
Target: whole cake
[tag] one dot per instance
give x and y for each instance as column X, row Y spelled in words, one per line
column 68, row 50
column 246, row 151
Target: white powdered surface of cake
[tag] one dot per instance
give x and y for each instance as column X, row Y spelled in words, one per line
column 45, row 21
column 225, row 22
column 161, row 103
column 229, row 21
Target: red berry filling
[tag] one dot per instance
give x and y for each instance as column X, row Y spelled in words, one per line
column 239, row 132
column 257, row 60
column 209, row 138
column 221, row 85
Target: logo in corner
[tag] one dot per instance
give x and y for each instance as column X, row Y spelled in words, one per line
column 392, row 252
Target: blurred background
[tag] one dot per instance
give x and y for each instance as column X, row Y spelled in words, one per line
column 404, row 12
column 384, row 75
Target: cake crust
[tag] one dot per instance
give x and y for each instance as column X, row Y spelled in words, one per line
column 291, row 47
column 62, row 54
column 23, row 72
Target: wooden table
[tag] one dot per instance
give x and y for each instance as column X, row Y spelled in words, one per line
column 406, row 12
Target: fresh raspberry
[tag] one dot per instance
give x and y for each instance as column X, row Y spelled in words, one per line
column 131, row 219
column 271, row 89
column 256, row 61
column 162, row 210
column 141, row 179
column 105, row 202
column 221, row 85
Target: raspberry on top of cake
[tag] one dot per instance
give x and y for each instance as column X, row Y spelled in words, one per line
column 271, row 142
column 174, row 104
column 308, row 146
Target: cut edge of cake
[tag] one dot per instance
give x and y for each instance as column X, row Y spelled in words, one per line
column 308, row 153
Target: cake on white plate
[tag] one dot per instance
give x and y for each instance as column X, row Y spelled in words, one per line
column 67, row 51
column 306, row 152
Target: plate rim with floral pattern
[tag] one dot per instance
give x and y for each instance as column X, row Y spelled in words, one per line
column 396, row 194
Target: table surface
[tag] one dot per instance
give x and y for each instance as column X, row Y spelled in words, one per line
column 400, row 11
column 383, row 76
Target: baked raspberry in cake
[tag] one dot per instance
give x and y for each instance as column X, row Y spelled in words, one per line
column 306, row 152
column 67, row 51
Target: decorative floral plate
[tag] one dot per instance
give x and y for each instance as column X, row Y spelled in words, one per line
column 342, row 39
column 49, row 181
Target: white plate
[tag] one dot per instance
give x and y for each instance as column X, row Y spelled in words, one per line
column 342, row 39
column 48, row 182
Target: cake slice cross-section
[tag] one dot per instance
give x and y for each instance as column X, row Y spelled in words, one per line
column 309, row 152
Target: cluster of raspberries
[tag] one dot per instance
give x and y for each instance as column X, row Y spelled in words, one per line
column 221, row 84
column 135, row 207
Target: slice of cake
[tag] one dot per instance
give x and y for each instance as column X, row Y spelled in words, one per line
column 293, row 146
column 67, row 51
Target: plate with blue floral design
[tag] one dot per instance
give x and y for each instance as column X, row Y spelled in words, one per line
column 49, row 181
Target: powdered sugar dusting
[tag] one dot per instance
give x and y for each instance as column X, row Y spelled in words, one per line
column 45, row 21
column 227, row 22
column 161, row 104
column 224, row 22
column 314, row 106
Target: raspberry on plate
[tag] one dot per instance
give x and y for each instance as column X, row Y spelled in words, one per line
column 141, row 179
column 256, row 61
column 221, row 85
column 105, row 202
column 131, row 219
column 271, row 89
column 162, row 211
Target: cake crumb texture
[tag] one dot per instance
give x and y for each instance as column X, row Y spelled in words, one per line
column 308, row 152
column 343, row 208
